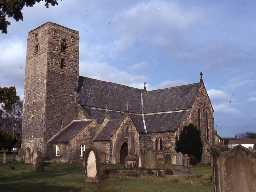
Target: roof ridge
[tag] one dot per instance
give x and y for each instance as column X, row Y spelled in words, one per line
column 177, row 86
column 110, row 82
column 139, row 89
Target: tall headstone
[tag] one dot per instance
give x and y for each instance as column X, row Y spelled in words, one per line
column 93, row 171
column 91, row 166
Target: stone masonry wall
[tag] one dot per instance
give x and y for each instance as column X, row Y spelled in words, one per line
column 71, row 151
column 156, row 156
column 62, row 78
column 204, row 107
column 51, row 78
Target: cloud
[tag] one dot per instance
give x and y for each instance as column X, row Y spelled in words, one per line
column 138, row 66
column 107, row 72
column 12, row 62
column 169, row 83
column 217, row 94
column 156, row 22
column 222, row 102
column 252, row 99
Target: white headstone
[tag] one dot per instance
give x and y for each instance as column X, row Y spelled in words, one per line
column 91, row 165
column 140, row 164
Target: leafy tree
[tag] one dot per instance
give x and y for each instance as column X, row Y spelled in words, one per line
column 7, row 140
column 190, row 143
column 8, row 96
column 13, row 9
column 251, row 135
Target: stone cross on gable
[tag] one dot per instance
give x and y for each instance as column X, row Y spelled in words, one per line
column 145, row 86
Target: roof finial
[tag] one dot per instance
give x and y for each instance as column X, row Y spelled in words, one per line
column 145, row 86
column 201, row 76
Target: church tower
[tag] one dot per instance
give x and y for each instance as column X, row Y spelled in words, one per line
column 51, row 80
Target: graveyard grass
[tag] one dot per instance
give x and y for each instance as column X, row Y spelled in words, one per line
column 69, row 178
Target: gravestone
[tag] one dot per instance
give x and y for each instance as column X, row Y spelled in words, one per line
column 179, row 159
column 92, row 166
column 186, row 161
column 234, row 170
column 37, row 161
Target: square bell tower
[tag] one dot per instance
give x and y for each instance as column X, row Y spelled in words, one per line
column 51, row 80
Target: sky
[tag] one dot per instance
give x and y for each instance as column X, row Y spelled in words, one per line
column 162, row 42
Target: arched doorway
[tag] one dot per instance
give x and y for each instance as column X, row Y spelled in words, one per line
column 123, row 153
column 91, row 168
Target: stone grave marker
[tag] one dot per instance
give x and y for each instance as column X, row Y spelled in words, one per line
column 234, row 170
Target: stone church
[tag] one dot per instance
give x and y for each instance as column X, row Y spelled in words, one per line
column 65, row 114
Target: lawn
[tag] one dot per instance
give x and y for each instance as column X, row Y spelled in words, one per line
column 69, row 178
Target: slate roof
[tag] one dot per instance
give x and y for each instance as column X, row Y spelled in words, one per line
column 101, row 98
column 108, row 131
column 157, row 123
column 171, row 99
column 102, row 94
column 70, row 131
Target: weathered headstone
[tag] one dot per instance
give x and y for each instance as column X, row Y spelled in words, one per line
column 179, row 159
column 186, row 161
column 92, row 166
column 234, row 170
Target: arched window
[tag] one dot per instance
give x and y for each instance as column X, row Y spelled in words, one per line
column 57, row 150
column 62, row 63
column 36, row 49
column 161, row 144
column 63, row 45
column 82, row 150
column 199, row 119
column 156, row 144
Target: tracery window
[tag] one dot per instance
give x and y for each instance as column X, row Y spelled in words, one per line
column 207, row 125
column 156, row 144
column 161, row 144
column 199, row 119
